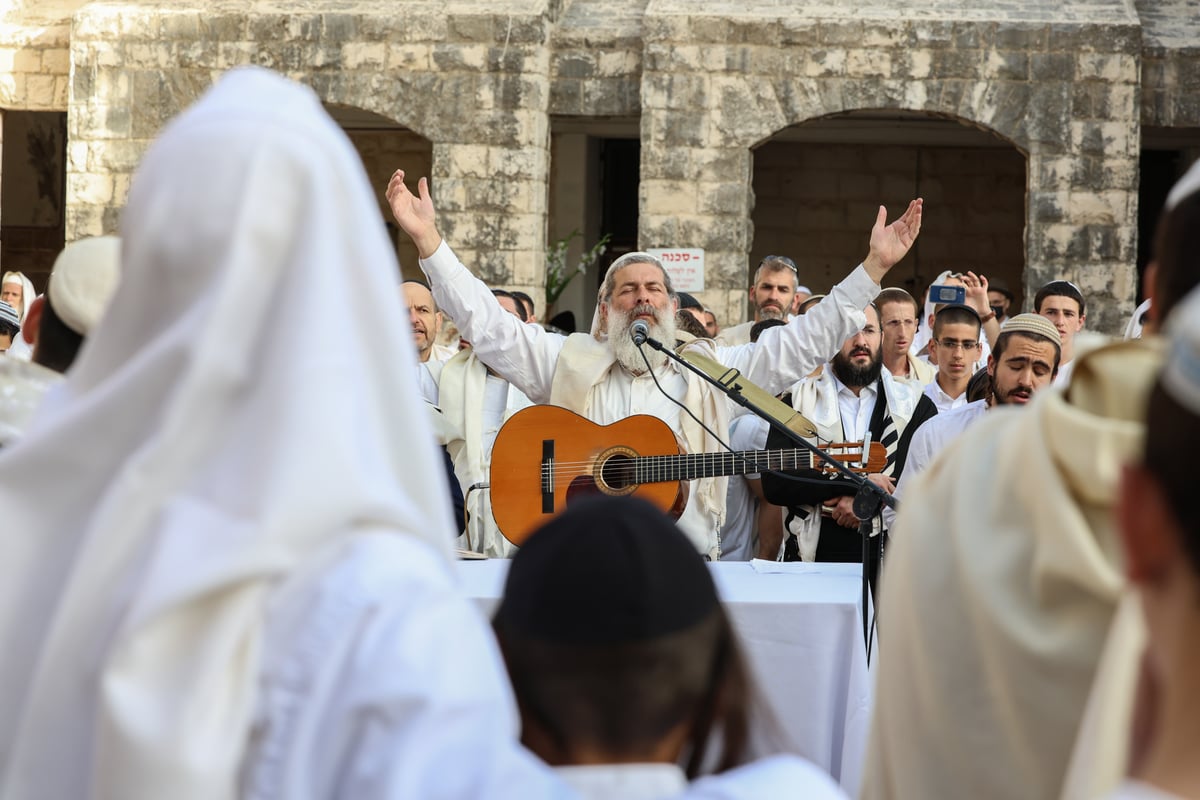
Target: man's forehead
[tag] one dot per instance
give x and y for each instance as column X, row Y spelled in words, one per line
column 1029, row 347
column 894, row 309
column 509, row 305
column 416, row 294
column 777, row 274
column 638, row 272
column 1060, row 302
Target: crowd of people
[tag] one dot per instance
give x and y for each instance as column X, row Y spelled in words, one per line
column 230, row 525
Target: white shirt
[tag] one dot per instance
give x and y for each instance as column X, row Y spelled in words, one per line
column 1137, row 790
column 934, row 435
column 738, row 536
column 943, row 401
column 1064, row 373
column 500, row 400
column 856, row 409
column 775, row 778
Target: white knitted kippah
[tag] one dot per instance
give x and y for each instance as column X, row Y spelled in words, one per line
column 83, row 281
column 1181, row 373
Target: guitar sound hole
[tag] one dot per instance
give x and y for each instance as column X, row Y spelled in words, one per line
column 617, row 473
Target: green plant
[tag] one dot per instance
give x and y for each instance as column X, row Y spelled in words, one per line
column 558, row 275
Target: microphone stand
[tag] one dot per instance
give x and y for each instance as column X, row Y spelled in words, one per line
column 869, row 498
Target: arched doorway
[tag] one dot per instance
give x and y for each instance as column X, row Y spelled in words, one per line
column 817, row 187
column 385, row 146
column 33, row 179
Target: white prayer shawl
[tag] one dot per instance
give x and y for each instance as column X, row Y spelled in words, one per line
column 920, row 372
column 817, row 399
column 736, row 334
column 583, row 366
column 171, row 482
column 28, row 293
column 463, row 389
column 999, row 588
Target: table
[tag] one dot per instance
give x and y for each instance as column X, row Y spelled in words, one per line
column 801, row 630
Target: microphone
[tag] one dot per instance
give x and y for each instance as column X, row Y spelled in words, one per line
column 639, row 331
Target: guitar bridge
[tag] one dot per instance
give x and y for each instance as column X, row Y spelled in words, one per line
column 547, row 476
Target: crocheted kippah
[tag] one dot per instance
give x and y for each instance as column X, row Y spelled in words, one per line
column 1033, row 324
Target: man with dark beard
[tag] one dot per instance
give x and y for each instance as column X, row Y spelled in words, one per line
column 854, row 395
column 604, row 377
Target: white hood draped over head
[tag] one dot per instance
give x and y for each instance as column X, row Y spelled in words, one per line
column 172, row 481
column 28, row 293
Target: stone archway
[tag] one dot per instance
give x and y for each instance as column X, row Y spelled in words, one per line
column 817, row 187
column 385, row 146
column 1061, row 91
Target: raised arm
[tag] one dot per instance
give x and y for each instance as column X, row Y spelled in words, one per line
column 977, row 298
column 890, row 243
column 785, row 354
column 524, row 355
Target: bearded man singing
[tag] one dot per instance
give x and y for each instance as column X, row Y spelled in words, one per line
column 605, row 377
column 852, row 396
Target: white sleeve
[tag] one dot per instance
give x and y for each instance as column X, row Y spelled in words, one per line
column 748, row 432
column 786, row 353
column 524, row 355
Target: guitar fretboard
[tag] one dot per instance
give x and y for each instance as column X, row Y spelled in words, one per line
column 655, row 469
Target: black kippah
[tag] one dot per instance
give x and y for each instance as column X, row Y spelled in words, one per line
column 687, row 301
column 608, row 570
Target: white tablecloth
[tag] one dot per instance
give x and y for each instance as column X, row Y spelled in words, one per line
column 802, row 633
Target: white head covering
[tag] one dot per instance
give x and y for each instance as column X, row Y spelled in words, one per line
column 172, row 481
column 1181, row 374
column 84, row 277
column 28, row 294
column 637, row 257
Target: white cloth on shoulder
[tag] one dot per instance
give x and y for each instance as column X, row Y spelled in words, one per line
column 171, row 483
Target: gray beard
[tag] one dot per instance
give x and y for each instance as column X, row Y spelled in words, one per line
column 627, row 353
column 770, row 312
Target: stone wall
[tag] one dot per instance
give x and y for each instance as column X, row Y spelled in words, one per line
column 1068, row 84
column 816, row 203
column 1063, row 94
column 474, row 83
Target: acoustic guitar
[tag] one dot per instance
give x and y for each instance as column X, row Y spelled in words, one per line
column 545, row 457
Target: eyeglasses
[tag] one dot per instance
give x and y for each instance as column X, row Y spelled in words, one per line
column 954, row 344
column 783, row 261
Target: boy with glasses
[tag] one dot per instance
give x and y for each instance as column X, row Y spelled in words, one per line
column 953, row 349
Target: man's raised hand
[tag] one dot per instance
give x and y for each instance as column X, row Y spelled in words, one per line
column 414, row 213
column 890, row 243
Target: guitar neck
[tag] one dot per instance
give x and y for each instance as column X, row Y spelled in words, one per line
column 689, row 466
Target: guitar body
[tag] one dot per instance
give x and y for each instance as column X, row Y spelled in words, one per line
column 546, row 457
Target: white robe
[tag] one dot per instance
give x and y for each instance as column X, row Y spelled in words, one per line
column 469, row 397
column 998, row 591
column 139, row 620
column 379, row 679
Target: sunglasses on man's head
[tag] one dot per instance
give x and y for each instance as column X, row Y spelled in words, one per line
column 783, row 260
